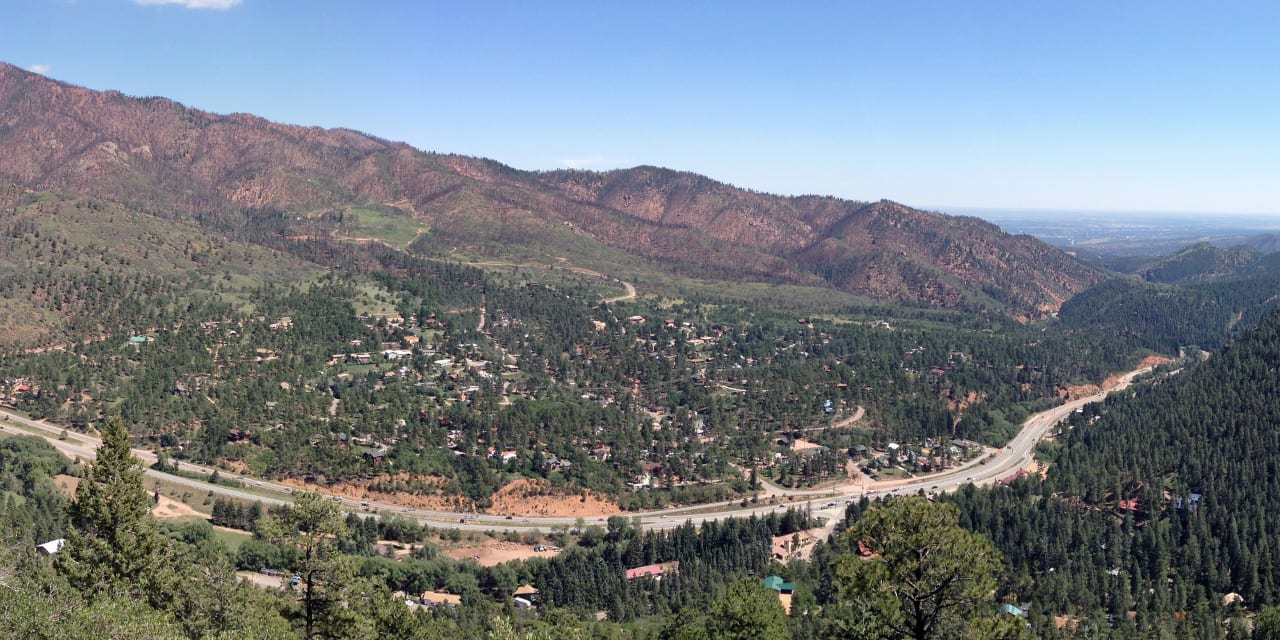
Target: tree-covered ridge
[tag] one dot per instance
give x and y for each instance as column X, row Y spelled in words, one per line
column 1198, row 262
column 1167, row 318
column 1202, row 263
column 1158, row 504
column 73, row 268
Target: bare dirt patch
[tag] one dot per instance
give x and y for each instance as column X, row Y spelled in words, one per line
column 1076, row 392
column 959, row 405
column 1037, row 467
column 803, row 445
column 170, row 509
column 66, row 484
column 523, row 497
column 262, row 581
column 1086, row 390
column 236, row 466
column 497, row 552
column 1154, row 361
column 419, row 492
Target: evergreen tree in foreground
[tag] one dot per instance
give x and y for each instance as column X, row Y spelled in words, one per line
column 113, row 547
column 923, row 576
column 309, row 531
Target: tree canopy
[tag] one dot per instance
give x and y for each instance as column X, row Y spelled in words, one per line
column 915, row 573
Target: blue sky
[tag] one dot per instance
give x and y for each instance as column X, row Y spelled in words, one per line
column 1152, row 106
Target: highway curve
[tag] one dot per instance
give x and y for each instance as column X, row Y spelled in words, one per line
column 1006, row 461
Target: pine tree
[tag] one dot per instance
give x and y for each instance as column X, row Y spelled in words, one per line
column 927, row 577
column 748, row 611
column 310, row 531
column 113, row 546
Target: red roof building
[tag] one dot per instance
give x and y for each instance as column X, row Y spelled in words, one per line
column 651, row 570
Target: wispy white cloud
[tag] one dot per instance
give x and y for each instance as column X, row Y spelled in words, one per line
column 42, row 69
column 192, row 4
column 584, row 162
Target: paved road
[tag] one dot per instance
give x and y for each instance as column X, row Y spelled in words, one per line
column 830, row 502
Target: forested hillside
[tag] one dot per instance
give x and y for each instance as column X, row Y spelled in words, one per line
column 241, row 176
column 1158, row 505
column 1166, row 318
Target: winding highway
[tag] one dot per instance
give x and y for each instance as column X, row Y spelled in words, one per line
column 982, row 471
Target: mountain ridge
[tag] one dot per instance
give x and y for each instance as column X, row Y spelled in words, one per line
column 164, row 158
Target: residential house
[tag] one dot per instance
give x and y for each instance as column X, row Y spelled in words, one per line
column 654, row 571
column 1189, row 503
column 51, row 547
column 525, row 596
column 433, row 599
column 784, row 589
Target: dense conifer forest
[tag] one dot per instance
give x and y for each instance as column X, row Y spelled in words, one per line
column 1158, row 510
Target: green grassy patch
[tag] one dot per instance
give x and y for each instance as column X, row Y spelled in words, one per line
column 86, row 265
column 372, row 299
column 231, row 539
column 397, row 230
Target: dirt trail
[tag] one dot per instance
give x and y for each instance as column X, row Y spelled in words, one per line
column 630, row 288
column 840, row 424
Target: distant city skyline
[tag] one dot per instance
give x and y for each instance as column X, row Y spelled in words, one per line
column 1089, row 106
